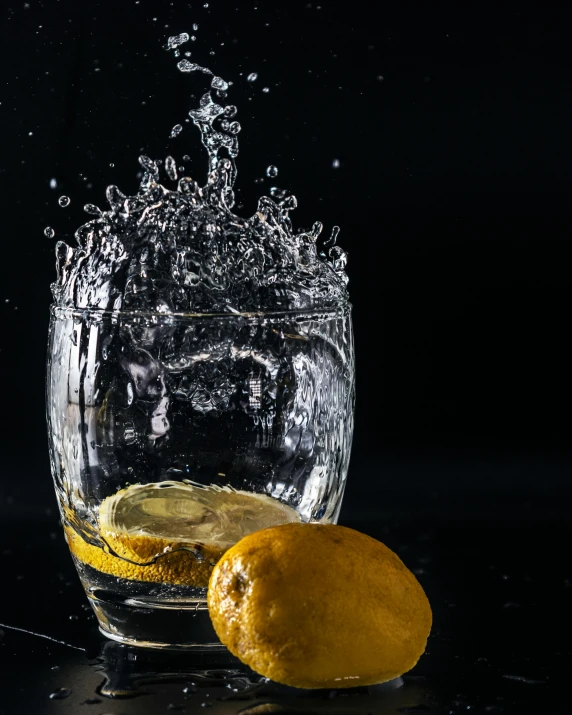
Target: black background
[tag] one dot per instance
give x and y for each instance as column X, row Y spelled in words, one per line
column 453, row 193
column 451, row 123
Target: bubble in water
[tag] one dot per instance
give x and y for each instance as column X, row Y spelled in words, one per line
column 64, row 201
column 49, row 232
column 176, row 130
column 336, row 163
column 272, row 171
column 177, row 40
column 252, row 77
column 60, row 694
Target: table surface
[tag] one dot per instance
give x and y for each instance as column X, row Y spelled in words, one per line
column 495, row 566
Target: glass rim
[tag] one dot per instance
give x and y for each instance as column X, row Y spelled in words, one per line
column 339, row 310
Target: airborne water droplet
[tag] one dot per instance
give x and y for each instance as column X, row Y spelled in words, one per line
column 53, row 184
column 171, row 168
column 177, row 40
column 266, row 90
column 272, row 171
column 219, row 83
column 92, row 209
column 176, row 130
column 60, row 694
column 336, row 163
column 49, row 232
column 64, row 201
column 252, row 77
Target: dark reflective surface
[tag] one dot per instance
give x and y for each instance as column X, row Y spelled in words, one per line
column 494, row 563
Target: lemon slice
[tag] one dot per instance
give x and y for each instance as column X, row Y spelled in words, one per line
column 175, row 532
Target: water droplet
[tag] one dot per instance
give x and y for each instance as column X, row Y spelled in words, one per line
column 206, row 4
column 206, row 704
column 522, row 679
column 177, row 40
column 73, row 618
column 252, row 77
column 53, row 184
column 338, row 257
column 186, row 66
column 64, row 201
column 111, row 164
column 176, row 130
column 93, row 210
column 55, row 667
column 49, row 232
column 234, row 128
column 336, row 163
column 379, row 78
column 171, row 168
column 272, row 171
column 195, row 27
column 60, row 694
column 266, row 90
column 219, row 83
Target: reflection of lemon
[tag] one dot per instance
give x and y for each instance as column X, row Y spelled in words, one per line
column 318, row 606
column 174, row 532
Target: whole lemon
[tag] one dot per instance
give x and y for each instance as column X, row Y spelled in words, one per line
column 318, row 606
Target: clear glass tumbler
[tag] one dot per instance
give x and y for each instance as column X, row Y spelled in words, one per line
column 174, row 435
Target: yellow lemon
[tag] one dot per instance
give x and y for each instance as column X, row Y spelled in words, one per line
column 174, row 532
column 318, row 606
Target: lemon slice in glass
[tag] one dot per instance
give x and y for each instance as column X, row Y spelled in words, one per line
column 175, row 532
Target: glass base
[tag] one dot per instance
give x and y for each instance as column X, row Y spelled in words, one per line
column 156, row 625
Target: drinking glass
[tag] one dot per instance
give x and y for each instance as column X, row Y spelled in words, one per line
column 165, row 427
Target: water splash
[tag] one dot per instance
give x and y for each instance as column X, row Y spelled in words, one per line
column 182, row 248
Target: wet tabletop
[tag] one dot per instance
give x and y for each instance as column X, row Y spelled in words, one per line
column 495, row 565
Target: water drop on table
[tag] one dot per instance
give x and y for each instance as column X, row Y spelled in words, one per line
column 272, row 171
column 49, row 232
column 64, row 201
column 60, row 694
